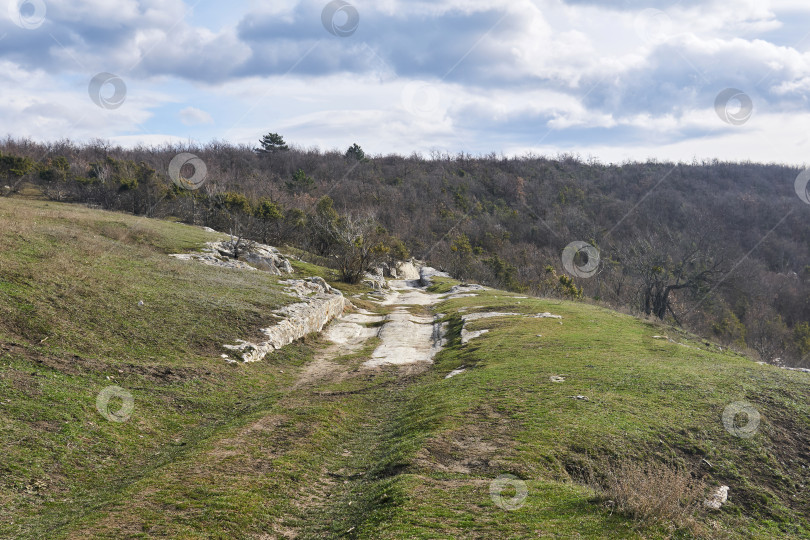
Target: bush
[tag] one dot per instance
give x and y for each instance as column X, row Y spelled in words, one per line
column 730, row 330
column 300, row 183
column 269, row 216
column 801, row 335
column 236, row 202
column 399, row 251
column 568, row 288
column 559, row 285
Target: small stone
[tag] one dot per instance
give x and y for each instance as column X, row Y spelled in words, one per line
column 546, row 315
column 718, row 499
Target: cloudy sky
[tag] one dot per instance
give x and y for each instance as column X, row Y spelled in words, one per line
column 610, row 79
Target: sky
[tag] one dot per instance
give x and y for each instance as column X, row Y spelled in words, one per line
column 613, row 80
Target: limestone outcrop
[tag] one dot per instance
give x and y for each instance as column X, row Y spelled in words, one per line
column 402, row 270
column 426, row 275
column 321, row 303
column 468, row 335
column 407, row 339
column 376, row 279
column 258, row 256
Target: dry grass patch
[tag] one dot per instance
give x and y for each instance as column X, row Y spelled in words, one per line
column 654, row 494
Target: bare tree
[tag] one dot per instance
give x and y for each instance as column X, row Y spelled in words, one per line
column 664, row 265
column 356, row 243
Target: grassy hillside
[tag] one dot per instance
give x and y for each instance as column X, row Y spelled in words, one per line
column 71, row 280
column 268, row 450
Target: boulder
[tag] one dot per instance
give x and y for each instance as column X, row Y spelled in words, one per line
column 407, row 270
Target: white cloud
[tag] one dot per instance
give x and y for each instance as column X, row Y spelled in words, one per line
column 37, row 105
column 550, row 75
column 191, row 116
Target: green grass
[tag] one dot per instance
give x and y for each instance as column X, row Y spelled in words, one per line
column 240, row 451
column 648, row 400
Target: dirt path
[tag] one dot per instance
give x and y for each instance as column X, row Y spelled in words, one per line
column 303, row 421
column 405, row 338
column 347, row 334
column 406, row 341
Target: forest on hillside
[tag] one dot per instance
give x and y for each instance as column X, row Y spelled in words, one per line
column 721, row 249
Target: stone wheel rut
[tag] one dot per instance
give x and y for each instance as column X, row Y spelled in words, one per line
column 405, row 338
